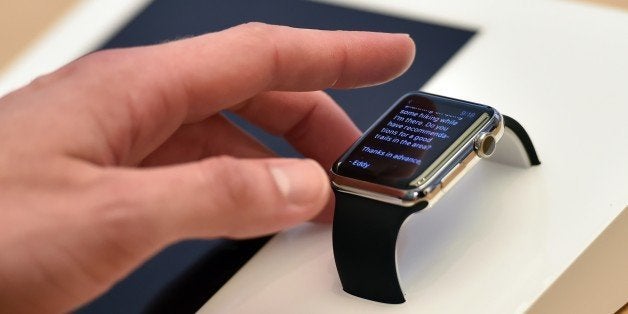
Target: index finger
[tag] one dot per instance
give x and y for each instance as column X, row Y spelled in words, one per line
column 218, row 70
column 200, row 76
column 157, row 88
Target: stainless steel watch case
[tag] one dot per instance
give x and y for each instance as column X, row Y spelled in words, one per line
column 464, row 153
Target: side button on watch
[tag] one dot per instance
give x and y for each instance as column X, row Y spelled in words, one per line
column 402, row 164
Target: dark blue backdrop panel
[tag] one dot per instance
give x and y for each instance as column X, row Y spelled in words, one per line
column 187, row 274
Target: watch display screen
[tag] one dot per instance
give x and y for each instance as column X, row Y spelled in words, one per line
column 416, row 133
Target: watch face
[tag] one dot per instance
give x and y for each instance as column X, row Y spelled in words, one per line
column 405, row 146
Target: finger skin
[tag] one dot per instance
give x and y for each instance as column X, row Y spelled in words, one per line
column 312, row 122
column 263, row 57
column 66, row 237
column 225, row 196
column 141, row 96
column 213, row 136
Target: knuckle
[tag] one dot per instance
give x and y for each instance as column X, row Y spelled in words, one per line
column 264, row 40
column 242, row 186
column 224, row 175
column 256, row 27
column 97, row 61
column 108, row 64
column 119, row 216
column 260, row 37
column 49, row 79
column 102, row 57
column 45, row 80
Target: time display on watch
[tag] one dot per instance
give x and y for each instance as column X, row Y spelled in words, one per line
column 406, row 142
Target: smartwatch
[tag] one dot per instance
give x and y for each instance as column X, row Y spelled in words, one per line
column 402, row 164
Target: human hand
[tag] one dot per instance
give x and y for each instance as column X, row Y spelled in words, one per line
column 123, row 152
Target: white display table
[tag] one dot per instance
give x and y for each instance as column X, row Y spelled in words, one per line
column 505, row 245
column 550, row 239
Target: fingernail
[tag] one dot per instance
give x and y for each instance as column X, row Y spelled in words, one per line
column 299, row 181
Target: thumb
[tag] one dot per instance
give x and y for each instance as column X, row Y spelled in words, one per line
column 230, row 197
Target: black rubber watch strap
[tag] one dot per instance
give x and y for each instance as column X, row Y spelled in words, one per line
column 365, row 230
column 523, row 138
